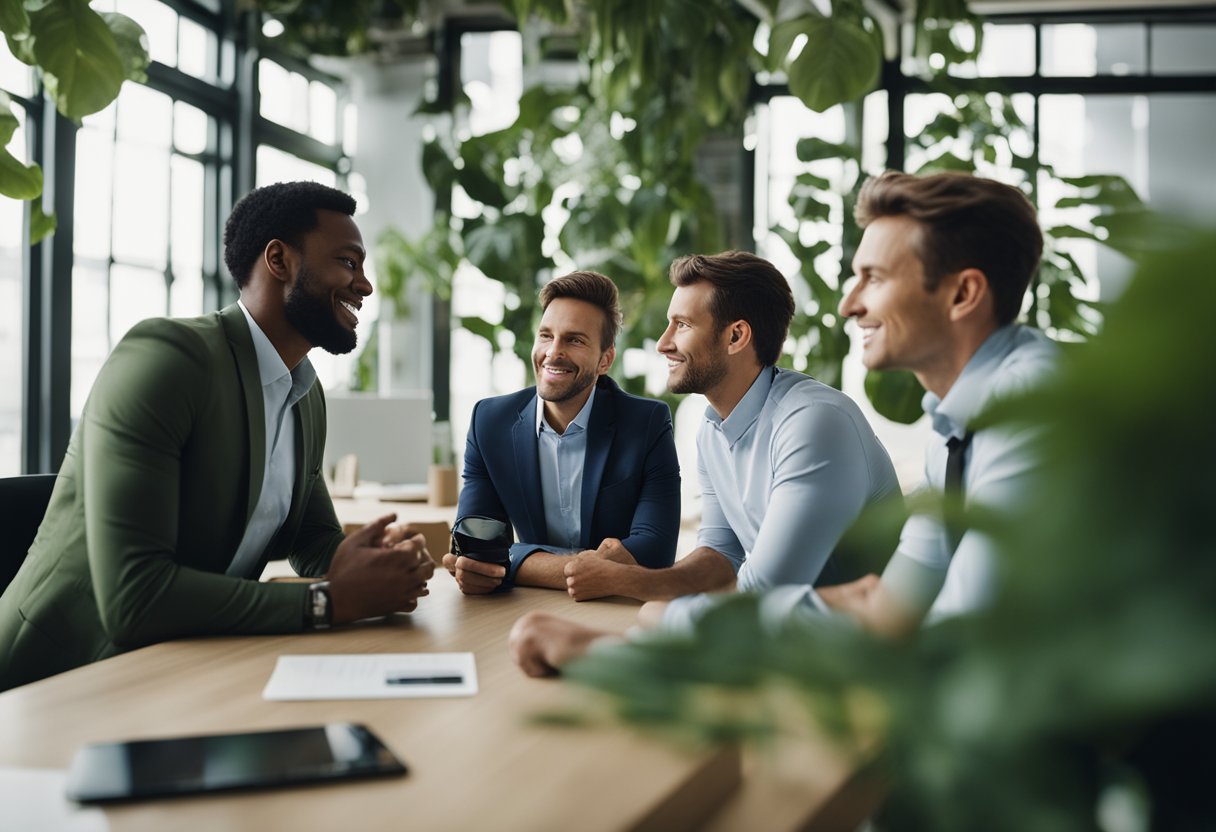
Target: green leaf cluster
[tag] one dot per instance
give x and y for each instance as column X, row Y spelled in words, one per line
column 1090, row 680
column 83, row 58
column 336, row 27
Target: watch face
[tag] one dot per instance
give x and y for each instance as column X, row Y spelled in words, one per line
column 319, row 606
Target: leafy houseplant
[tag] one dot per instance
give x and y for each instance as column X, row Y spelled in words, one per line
column 1085, row 696
column 82, row 56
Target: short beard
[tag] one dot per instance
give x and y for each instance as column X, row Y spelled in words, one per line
column 582, row 380
column 314, row 317
column 699, row 378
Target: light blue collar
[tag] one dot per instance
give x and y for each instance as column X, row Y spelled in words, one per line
column 747, row 411
column 578, row 424
column 270, row 364
column 966, row 397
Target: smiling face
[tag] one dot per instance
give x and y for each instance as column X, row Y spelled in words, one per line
column 695, row 349
column 568, row 356
column 903, row 325
column 324, row 301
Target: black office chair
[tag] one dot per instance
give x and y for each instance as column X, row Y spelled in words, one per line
column 23, row 502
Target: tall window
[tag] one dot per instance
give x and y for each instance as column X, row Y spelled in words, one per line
column 16, row 80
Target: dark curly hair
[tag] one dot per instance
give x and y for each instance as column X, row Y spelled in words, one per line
column 284, row 211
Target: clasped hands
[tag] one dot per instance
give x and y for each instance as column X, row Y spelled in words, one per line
column 591, row 573
column 378, row 570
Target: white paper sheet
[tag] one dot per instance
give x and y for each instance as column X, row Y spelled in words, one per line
column 32, row 801
column 372, row 676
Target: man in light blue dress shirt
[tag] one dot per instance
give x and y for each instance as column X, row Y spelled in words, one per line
column 942, row 271
column 786, row 463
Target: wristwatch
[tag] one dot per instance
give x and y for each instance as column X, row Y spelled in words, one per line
column 318, row 611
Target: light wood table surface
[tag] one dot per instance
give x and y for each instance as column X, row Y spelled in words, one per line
column 475, row 762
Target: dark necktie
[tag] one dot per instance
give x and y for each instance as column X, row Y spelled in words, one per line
column 955, row 459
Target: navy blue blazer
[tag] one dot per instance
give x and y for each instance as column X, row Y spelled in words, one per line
column 631, row 476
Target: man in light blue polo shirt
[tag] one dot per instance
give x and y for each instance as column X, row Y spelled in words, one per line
column 785, row 462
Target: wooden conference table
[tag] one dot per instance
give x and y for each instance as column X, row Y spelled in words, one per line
column 475, row 762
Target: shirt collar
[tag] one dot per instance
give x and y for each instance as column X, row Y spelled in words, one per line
column 579, row 422
column 747, row 411
column 271, row 367
column 953, row 413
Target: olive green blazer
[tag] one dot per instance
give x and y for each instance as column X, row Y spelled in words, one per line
column 153, row 498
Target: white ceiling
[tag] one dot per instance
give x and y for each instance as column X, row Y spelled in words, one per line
column 1014, row 6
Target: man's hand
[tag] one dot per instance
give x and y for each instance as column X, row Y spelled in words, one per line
column 369, row 579
column 590, row 575
column 611, row 549
column 472, row 576
column 650, row 615
column 541, row 643
column 871, row 605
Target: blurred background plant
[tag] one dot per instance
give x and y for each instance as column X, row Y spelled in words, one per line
column 608, row 172
column 1085, row 697
column 83, row 57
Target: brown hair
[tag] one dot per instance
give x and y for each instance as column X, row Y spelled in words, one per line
column 594, row 288
column 746, row 287
column 966, row 222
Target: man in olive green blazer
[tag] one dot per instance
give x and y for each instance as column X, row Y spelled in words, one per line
column 145, row 536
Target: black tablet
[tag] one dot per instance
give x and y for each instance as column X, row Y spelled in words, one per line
column 220, row 762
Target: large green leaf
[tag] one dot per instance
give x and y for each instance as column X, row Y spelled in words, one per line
column 895, row 394
column 132, row 43
column 82, row 68
column 482, row 327
column 839, row 63
column 17, row 179
column 41, row 223
column 14, row 21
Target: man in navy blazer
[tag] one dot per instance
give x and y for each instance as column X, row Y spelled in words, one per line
column 580, row 468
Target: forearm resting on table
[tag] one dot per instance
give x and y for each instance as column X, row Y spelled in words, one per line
column 543, row 569
column 701, row 570
column 895, row 605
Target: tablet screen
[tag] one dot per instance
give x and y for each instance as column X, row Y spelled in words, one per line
column 185, row 765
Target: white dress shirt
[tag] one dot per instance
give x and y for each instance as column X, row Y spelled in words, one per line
column 281, row 389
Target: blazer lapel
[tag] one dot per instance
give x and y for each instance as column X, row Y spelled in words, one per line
column 527, row 468
column 601, row 428
column 237, row 330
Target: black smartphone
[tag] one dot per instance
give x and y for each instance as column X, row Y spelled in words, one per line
column 220, row 762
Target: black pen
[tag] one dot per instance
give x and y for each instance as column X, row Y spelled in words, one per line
column 424, row 680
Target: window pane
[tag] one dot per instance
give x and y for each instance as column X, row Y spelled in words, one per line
column 15, row 77
column 186, row 219
column 190, row 128
column 491, row 69
column 141, row 205
column 94, row 175
column 322, row 112
column 160, row 22
column 196, row 50
column 1007, row 51
column 90, row 322
column 284, row 96
column 1078, row 49
column 1184, row 49
column 145, row 116
column 276, row 166
column 12, row 329
column 135, row 294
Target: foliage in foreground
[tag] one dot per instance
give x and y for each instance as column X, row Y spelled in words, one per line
column 1085, row 697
